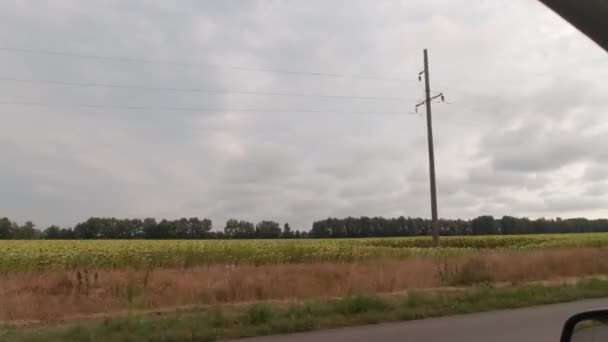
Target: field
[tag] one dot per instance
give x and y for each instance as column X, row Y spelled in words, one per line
column 30, row 255
column 52, row 281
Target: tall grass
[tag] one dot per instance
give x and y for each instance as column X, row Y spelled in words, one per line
column 56, row 295
column 260, row 319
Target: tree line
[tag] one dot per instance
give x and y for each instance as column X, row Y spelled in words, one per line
column 150, row 228
column 349, row 227
column 352, row 227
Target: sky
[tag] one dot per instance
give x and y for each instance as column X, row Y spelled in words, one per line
column 153, row 108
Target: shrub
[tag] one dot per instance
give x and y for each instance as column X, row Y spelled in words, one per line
column 360, row 304
column 260, row 314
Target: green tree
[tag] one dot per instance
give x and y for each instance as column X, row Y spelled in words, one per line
column 206, row 226
column 320, row 229
column 25, row 232
column 246, row 230
column 484, row 225
column 90, row 229
column 149, row 227
column 199, row 229
column 164, row 230
column 510, row 225
column 52, row 232
column 6, row 227
column 182, row 229
column 268, row 230
column 232, row 227
column 287, row 233
column 239, row 229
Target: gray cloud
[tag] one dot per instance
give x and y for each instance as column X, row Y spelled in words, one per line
column 596, row 172
column 598, row 190
column 540, row 148
column 578, row 203
column 524, row 120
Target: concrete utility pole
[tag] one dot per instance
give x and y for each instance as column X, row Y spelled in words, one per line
column 429, row 126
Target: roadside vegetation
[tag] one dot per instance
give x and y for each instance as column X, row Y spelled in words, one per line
column 61, row 294
column 212, row 323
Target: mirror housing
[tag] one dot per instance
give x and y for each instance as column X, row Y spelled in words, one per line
column 586, row 326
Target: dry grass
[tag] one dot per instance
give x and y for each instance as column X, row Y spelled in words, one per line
column 54, row 295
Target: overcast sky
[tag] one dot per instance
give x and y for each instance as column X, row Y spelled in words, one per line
column 524, row 132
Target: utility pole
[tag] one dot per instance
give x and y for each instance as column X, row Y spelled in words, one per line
column 429, row 126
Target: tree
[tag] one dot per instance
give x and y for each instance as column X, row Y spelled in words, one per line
column 232, row 227
column 267, row 230
column 287, row 233
column 66, row 234
column 131, row 229
column 87, row 230
column 484, row 225
column 25, row 232
column 509, row 225
column 165, row 230
column 239, row 229
column 206, row 226
column 246, row 230
column 338, row 227
column 5, row 228
column 105, row 228
column 320, row 229
column 363, row 227
column 541, row 224
column 52, row 232
column 149, row 227
column 199, row 229
column 401, row 223
column 182, row 229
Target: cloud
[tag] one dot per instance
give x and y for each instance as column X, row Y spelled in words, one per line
column 596, row 172
column 572, row 203
column 598, row 190
column 493, row 179
column 522, row 124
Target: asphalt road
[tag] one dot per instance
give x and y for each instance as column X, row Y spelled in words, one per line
column 537, row 324
column 593, row 334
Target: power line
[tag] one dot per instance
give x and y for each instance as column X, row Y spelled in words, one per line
column 214, row 66
column 196, row 90
column 188, row 109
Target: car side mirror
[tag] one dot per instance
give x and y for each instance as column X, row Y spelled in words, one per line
column 590, row 326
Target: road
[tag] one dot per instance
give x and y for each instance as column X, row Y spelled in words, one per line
column 538, row 324
column 598, row 333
